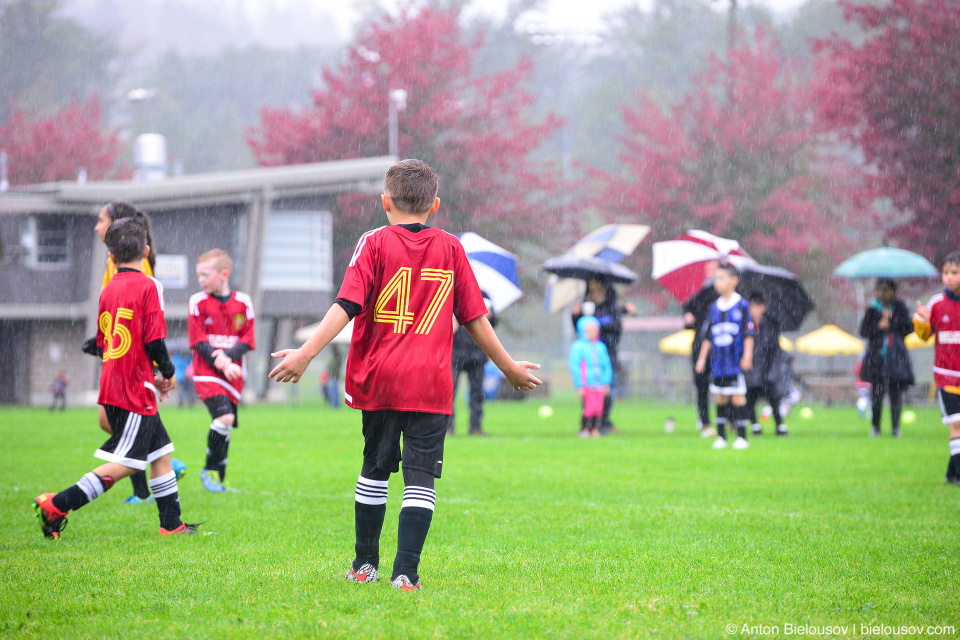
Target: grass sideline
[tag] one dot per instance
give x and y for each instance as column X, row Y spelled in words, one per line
column 537, row 533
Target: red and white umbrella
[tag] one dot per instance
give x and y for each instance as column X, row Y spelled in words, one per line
column 683, row 264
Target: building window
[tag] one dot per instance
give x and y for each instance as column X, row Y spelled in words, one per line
column 46, row 240
column 298, row 252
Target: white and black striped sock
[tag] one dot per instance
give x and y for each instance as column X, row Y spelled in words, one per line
column 371, row 491
column 369, row 509
column 420, row 497
column 164, row 489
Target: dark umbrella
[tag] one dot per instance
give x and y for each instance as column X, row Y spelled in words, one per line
column 586, row 267
column 785, row 296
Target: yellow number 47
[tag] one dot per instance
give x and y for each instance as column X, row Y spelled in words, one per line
column 398, row 290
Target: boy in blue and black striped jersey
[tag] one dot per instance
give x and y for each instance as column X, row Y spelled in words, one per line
column 728, row 342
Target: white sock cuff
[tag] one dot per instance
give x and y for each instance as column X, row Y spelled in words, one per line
column 371, row 491
column 220, row 428
column 163, row 485
column 421, row 497
column 955, row 447
column 91, row 485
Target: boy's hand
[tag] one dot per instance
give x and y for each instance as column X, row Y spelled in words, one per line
column 292, row 366
column 232, row 371
column 606, row 389
column 165, row 386
column 923, row 313
column 746, row 364
column 700, row 366
column 221, row 360
column 519, row 376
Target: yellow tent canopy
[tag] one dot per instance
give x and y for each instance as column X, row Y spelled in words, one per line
column 829, row 340
column 913, row 341
column 681, row 343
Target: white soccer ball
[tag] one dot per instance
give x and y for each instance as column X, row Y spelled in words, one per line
column 545, row 411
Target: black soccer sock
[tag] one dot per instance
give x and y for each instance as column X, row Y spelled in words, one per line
column 723, row 413
column 953, row 468
column 140, row 487
column 415, row 518
column 218, row 441
column 164, row 489
column 369, row 509
column 88, row 488
column 741, row 417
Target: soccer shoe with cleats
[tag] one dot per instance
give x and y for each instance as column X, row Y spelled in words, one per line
column 366, row 573
column 720, row 443
column 757, row 430
column 52, row 520
column 210, row 482
column 740, row 443
column 178, row 467
column 186, row 529
column 403, row 583
column 707, row 432
column 783, row 431
column 133, row 499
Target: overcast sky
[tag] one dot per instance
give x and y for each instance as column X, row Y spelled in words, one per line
column 579, row 13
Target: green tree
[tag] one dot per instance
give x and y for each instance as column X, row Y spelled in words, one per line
column 49, row 62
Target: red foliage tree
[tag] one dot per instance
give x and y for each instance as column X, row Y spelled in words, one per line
column 896, row 96
column 56, row 147
column 475, row 131
column 742, row 156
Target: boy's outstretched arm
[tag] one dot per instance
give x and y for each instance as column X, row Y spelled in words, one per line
column 517, row 373
column 295, row 361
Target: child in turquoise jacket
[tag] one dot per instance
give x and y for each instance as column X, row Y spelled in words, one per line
column 592, row 373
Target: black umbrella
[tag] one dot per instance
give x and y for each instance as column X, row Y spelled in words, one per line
column 785, row 296
column 586, row 267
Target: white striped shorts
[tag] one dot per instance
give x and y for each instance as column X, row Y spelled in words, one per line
column 137, row 439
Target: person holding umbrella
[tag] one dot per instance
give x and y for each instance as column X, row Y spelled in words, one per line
column 886, row 363
column 601, row 299
column 470, row 359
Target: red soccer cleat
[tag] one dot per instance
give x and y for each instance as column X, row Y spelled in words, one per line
column 52, row 520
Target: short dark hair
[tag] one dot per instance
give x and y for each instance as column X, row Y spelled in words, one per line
column 887, row 283
column 952, row 258
column 731, row 270
column 126, row 239
column 412, row 186
column 122, row 210
column 757, row 297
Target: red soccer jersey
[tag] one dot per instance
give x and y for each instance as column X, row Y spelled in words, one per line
column 945, row 323
column 222, row 324
column 130, row 317
column 408, row 286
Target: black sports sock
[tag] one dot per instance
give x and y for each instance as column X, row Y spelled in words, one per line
column 411, row 536
column 953, row 468
column 741, row 416
column 140, row 487
column 723, row 413
column 222, row 465
column 218, row 439
column 88, row 488
column 368, row 523
column 168, row 500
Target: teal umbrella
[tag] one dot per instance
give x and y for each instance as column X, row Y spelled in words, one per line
column 886, row 262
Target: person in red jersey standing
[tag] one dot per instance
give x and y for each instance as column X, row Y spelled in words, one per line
column 220, row 330
column 403, row 286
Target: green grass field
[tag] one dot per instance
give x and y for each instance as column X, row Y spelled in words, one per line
column 537, row 534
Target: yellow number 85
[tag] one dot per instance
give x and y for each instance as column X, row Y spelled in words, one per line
column 116, row 337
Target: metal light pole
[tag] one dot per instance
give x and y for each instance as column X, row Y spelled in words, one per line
column 398, row 102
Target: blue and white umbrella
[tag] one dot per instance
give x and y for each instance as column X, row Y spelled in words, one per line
column 495, row 269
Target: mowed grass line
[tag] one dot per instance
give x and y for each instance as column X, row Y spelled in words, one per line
column 537, row 533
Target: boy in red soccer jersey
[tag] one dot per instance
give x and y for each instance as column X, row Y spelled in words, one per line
column 402, row 286
column 220, row 329
column 130, row 336
column 941, row 317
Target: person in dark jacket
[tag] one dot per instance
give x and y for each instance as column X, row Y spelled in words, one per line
column 470, row 358
column 609, row 311
column 769, row 364
column 694, row 321
column 886, row 363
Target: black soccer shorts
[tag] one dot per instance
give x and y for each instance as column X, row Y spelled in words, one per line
column 729, row 386
column 423, row 436
column 221, row 406
column 949, row 406
column 137, row 440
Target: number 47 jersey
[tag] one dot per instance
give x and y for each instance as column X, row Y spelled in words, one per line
column 130, row 317
column 408, row 285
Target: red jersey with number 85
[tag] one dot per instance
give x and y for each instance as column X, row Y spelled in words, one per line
column 130, row 317
column 408, row 285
